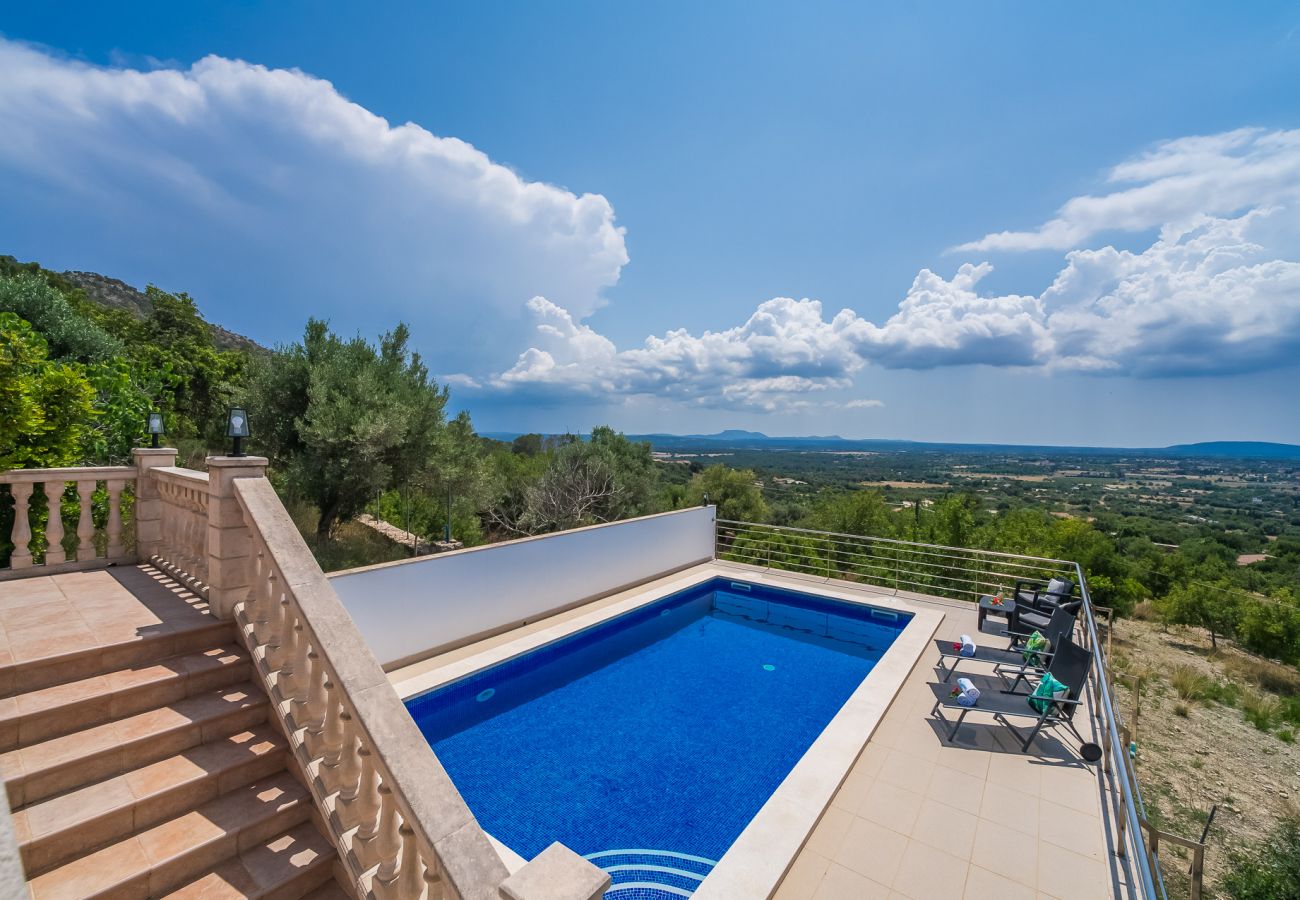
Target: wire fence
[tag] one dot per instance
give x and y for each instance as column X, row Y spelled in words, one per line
column 962, row 573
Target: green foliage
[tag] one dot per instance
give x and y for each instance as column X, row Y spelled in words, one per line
column 858, row 512
column 1216, row 608
column 45, row 406
column 345, row 419
column 1271, row 627
column 732, row 490
column 68, row 335
column 1270, row 871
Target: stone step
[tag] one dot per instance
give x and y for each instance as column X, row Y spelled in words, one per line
column 330, row 890
column 257, row 824
column 62, row 709
column 55, row 660
column 54, row 831
column 295, row 864
column 35, row 772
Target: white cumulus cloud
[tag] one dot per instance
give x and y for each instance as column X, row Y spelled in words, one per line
column 270, row 195
column 1173, row 183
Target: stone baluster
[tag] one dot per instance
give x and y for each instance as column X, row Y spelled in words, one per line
column 388, row 841
column 316, row 699
column 365, row 811
column 86, row 521
column 289, row 636
column 332, row 738
column 301, row 677
column 273, row 606
column 21, row 557
column 114, row 528
column 410, row 877
column 54, row 552
column 253, row 601
column 349, row 773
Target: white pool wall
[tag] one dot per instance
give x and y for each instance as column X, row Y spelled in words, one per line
column 411, row 609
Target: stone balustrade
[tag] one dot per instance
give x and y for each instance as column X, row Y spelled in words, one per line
column 401, row 828
column 181, row 549
column 53, row 484
column 399, row 823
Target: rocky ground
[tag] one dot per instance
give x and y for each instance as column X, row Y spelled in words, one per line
column 1196, row 747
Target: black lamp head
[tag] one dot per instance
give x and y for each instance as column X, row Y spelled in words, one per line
column 155, row 428
column 237, row 429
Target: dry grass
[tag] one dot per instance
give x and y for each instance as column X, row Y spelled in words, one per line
column 1275, row 677
column 1145, row 612
column 1260, row 710
column 1189, row 682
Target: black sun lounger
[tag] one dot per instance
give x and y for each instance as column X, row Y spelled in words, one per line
column 1070, row 665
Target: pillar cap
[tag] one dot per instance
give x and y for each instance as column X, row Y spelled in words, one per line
column 154, row 451
column 234, row 462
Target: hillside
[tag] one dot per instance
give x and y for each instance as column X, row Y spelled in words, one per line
column 117, row 294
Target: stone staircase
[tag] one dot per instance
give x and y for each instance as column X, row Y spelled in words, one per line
column 144, row 763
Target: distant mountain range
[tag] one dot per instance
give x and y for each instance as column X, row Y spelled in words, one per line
column 756, row 440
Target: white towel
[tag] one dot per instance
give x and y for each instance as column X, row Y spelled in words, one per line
column 969, row 693
column 967, row 645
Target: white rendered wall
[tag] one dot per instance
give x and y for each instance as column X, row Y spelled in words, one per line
column 408, row 608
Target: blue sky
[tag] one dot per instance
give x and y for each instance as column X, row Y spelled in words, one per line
column 627, row 214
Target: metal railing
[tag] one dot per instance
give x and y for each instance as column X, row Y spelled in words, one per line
column 909, row 567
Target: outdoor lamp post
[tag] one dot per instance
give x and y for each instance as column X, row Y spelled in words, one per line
column 155, row 428
column 237, row 428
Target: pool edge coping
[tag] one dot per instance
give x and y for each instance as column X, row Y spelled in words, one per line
column 757, row 861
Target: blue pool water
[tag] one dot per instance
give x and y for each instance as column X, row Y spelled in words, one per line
column 648, row 742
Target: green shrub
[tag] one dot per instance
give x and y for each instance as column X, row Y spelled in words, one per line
column 1271, row 871
column 1260, row 710
column 1225, row 693
column 1286, row 736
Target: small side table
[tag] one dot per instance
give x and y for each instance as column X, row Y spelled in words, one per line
column 1004, row 607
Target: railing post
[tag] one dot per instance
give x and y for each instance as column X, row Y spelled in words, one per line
column 148, row 502
column 229, row 539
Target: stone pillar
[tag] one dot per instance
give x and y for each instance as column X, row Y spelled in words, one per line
column 148, row 505
column 229, row 540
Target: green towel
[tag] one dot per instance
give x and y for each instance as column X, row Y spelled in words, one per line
column 1048, row 689
column 1035, row 645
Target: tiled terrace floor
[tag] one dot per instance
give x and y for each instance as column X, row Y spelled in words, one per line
column 919, row 818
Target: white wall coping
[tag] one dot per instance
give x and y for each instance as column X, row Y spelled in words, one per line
column 759, row 858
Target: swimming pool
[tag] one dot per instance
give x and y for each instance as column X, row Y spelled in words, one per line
column 649, row 742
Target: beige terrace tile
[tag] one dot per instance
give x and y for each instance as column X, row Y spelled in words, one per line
column 903, row 770
column 1010, row 808
column 891, row 806
column 804, row 877
column 871, row 850
column 1005, row 852
column 829, row 833
column 925, row 873
column 1069, row 876
column 840, row 883
column 1070, row 829
column 957, row 789
column 945, row 828
column 981, row 884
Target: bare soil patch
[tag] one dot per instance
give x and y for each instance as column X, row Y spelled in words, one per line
column 1195, row 753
